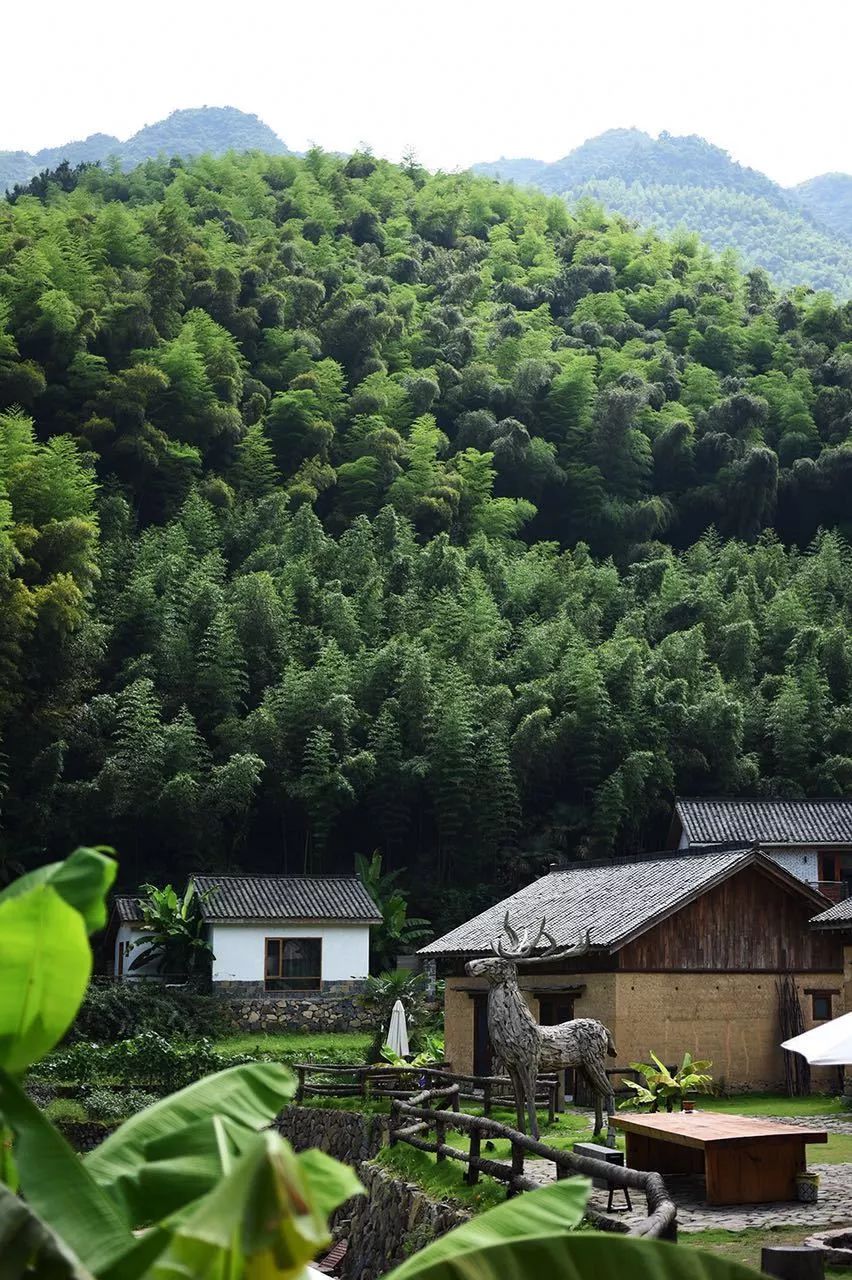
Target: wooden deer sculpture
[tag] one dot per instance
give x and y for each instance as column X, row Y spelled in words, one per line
column 522, row 1045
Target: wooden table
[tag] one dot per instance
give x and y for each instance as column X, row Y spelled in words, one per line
column 745, row 1160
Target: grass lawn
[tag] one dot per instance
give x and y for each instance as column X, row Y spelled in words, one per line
column 349, row 1046
column 775, row 1104
column 745, row 1246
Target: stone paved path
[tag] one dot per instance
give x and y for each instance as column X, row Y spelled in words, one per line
column 834, row 1207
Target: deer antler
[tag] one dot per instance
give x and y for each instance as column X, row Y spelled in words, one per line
column 522, row 949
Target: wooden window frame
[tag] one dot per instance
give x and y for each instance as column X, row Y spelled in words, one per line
column 282, row 977
column 828, row 996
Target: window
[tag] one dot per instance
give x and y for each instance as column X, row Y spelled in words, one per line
column 821, row 1006
column 293, row 964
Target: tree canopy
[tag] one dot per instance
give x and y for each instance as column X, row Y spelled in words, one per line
column 343, row 506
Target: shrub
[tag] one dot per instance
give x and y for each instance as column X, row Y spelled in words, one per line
column 109, row 1105
column 120, row 1010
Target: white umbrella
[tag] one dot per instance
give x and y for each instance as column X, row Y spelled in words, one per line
column 398, row 1032
column 829, row 1045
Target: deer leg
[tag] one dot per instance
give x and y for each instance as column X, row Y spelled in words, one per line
column 527, row 1077
column 598, row 1112
column 518, row 1090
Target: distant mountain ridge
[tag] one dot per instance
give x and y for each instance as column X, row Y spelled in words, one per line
column 189, row 132
column 799, row 235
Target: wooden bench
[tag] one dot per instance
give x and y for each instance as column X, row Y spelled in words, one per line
column 744, row 1160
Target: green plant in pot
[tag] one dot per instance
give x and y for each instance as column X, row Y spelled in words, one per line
column 662, row 1087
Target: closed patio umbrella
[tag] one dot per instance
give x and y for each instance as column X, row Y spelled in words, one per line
column 829, row 1045
column 398, row 1031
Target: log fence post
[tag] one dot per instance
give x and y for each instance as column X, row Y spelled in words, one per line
column 471, row 1177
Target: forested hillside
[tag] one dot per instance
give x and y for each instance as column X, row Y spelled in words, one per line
column 345, row 506
column 828, row 198
column 800, row 236
column 192, row 132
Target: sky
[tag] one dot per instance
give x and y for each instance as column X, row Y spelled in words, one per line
column 455, row 81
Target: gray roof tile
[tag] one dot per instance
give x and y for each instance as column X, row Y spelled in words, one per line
column 243, row 898
column 615, row 901
column 796, row 822
column 836, row 917
column 127, row 908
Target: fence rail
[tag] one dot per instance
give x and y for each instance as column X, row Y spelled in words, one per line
column 412, row 1120
column 407, row 1082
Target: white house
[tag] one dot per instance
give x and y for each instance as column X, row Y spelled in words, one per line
column 812, row 839
column 126, row 938
column 274, row 934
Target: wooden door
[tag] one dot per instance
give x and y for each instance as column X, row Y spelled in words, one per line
column 551, row 1011
column 482, row 1052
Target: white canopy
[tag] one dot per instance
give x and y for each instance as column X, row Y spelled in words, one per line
column 398, row 1031
column 828, row 1045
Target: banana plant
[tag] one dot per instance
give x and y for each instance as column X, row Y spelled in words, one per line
column 661, row 1085
column 197, row 1184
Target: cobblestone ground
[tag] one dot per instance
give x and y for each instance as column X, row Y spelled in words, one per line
column 834, row 1207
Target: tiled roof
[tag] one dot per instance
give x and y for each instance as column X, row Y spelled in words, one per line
column 127, row 908
column 615, row 902
column 837, row 917
column 243, row 898
column 794, row 822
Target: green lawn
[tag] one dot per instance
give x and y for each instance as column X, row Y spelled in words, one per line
column 313, row 1045
column 745, row 1246
column 774, row 1104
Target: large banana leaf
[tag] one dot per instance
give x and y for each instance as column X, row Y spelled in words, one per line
column 28, row 1246
column 45, row 963
column 258, row 1223
column 178, row 1169
column 82, row 880
column 533, row 1236
column 251, row 1095
column 57, row 1185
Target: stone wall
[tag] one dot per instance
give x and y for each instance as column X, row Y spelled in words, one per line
column 349, row 1136
column 390, row 1223
column 313, row 1011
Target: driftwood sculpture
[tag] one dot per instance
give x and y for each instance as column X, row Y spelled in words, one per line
column 522, row 1045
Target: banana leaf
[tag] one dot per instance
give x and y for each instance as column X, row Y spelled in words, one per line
column 258, row 1223
column 45, row 960
column 251, row 1095
column 57, row 1185
column 540, row 1220
column 82, row 880
column 29, row 1247
column 534, row 1235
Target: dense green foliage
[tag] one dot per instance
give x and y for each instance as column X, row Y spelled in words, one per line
column 348, row 506
column 783, row 241
column 193, row 132
column 829, row 199
column 801, row 236
column 112, row 1011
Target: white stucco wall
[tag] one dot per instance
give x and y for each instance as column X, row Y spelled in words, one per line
column 128, row 934
column 803, row 863
column 239, row 949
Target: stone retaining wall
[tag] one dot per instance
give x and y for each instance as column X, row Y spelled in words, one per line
column 390, row 1223
column 349, row 1136
column 318, row 1011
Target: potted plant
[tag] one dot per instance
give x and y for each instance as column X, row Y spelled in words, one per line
column 807, row 1187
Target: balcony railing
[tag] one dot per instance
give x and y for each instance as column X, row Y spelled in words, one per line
column 835, row 890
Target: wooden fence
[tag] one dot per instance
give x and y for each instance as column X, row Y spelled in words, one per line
column 413, row 1119
column 353, row 1080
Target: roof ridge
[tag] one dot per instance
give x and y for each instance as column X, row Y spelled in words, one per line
column 271, row 875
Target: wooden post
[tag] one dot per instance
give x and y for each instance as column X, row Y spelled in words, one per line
column 517, row 1166
column 486, row 1099
column 300, row 1088
column 471, row 1177
column 456, row 1102
column 440, row 1138
column 792, row 1262
column 394, row 1119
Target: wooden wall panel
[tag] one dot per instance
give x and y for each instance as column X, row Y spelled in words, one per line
column 749, row 922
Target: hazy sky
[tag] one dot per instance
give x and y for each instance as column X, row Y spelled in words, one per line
column 456, row 80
